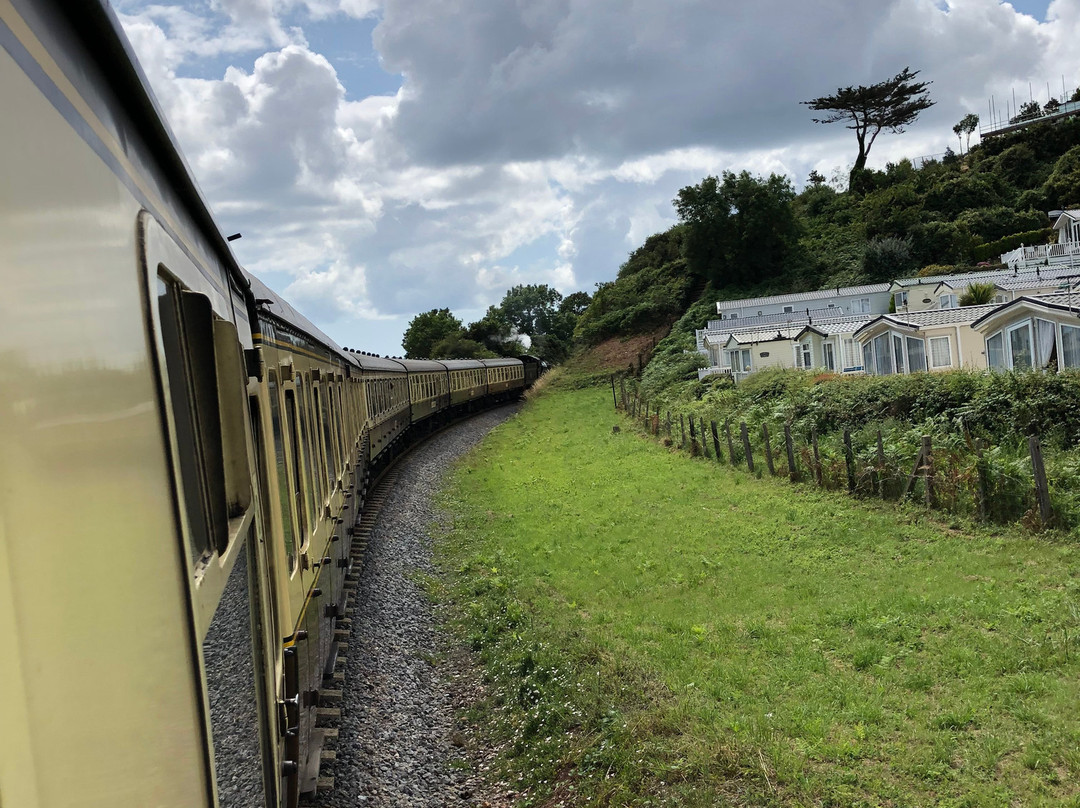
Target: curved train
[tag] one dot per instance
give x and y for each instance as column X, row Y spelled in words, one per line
column 183, row 456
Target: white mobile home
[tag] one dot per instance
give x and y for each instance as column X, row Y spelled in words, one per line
column 940, row 339
column 1032, row 333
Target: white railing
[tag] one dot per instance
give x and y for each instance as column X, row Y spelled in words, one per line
column 1006, row 125
column 713, row 371
column 797, row 317
column 1042, row 255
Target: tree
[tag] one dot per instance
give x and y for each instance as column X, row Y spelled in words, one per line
column 1029, row 111
column 886, row 106
column 457, row 346
column 427, row 329
column 738, row 230
column 966, row 126
column 575, row 303
column 492, row 331
column 530, row 308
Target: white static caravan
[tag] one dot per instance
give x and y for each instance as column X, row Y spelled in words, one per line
column 751, row 351
column 836, row 302
column 830, row 346
column 1032, row 333
column 940, row 339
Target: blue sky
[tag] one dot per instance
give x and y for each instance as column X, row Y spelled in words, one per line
column 1034, row 8
column 384, row 157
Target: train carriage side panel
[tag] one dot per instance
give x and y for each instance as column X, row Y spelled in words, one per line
column 505, row 376
column 86, row 420
column 428, row 388
column 532, row 369
column 468, row 381
column 386, row 389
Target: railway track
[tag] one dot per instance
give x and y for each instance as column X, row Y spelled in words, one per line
column 336, row 684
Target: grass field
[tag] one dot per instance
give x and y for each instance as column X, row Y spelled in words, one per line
column 660, row 630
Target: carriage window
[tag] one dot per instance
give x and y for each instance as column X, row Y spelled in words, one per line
column 305, row 439
column 296, row 488
column 186, row 323
column 328, row 439
column 335, row 423
column 319, row 427
column 282, row 476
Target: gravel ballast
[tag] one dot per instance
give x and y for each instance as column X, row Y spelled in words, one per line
column 398, row 742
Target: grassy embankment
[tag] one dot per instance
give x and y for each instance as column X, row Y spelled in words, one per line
column 659, row 630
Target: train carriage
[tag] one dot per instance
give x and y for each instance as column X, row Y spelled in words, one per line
column 125, row 335
column 387, row 409
column 429, row 389
column 532, row 367
column 308, row 410
column 468, row 381
column 505, row 377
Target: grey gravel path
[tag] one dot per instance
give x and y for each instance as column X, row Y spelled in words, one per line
column 399, row 746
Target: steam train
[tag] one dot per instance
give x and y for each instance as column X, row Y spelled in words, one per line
column 183, row 455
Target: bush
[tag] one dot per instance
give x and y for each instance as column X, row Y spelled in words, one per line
column 993, row 223
column 993, row 250
column 887, row 258
column 1063, row 185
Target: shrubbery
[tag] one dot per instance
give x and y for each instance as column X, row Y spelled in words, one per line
column 1000, row 407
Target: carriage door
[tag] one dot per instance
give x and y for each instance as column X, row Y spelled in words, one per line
column 202, row 384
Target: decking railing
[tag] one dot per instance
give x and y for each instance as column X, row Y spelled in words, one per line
column 1043, row 255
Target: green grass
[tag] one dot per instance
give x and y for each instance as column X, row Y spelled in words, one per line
column 660, row 630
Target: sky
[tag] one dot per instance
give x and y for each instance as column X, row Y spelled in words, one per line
column 382, row 158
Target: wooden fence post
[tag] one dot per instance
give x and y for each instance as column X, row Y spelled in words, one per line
column 1042, row 487
column 622, row 389
column 768, row 449
column 914, row 472
column 817, row 455
column 614, row 398
column 928, row 473
column 980, row 480
column 693, row 438
column 746, row 447
column 879, row 471
column 849, row 459
column 730, row 446
column 793, row 472
column 682, row 431
column 715, row 440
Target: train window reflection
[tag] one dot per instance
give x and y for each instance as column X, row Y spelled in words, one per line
column 186, row 332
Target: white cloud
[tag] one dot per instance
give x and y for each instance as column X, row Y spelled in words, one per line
column 536, row 142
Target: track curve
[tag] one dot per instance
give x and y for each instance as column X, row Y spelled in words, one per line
column 398, row 743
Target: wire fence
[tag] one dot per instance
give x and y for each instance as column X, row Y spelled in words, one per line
column 964, row 476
